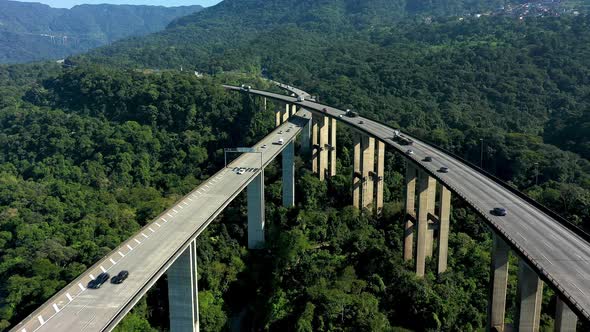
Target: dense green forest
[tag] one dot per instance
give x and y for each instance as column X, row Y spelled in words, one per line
column 33, row 31
column 91, row 152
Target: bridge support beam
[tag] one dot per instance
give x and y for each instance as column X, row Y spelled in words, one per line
column 356, row 172
column 565, row 319
column 183, row 292
column 293, row 109
column 264, row 103
column 256, row 212
column 379, row 177
column 323, row 146
column 498, row 284
column 332, row 150
column 443, row 228
column 315, row 152
column 306, row 139
column 530, row 298
column 431, row 223
column 425, row 196
column 286, row 113
column 278, row 117
column 289, row 175
column 368, row 170
column 410, row 218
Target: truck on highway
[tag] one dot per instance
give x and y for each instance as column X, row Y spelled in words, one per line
column 281, row 141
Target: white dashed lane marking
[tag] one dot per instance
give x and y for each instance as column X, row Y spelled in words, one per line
column 174, row 211
column 164, row 220
column 81, row 287
column 144, row 235
column 130, row 247
column 151, row 230
column 138, row 242
column 157, row 224
column 92, row 277
column 69, row 297
column 112, row 261
column 103, row 269
column 55, row 308
column 41, row 321
column 120, row 253
column 169, row 215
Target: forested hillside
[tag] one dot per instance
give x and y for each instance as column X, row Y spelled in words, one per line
column 33, row 31
column 91, row 152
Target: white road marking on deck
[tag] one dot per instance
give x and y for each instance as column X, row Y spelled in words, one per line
column 103, row 269
column 169, row 215
column 81, row 287
column 181, row 207
column 174, row 211
column 120, row 253
column 144, row 235
column 157, row 224
column 69, row 297
column 112, row 261
column 55, row 308
column 547, row 259
column 23, row 330
column 130, row 247
column 578, row 288
column 92, row 277
column 164, row 220
column 151, row 230
column 207, row 186
column 185, row 203
column 190, row 199
column 41, row 321
column 138, row 242
column 518, row 233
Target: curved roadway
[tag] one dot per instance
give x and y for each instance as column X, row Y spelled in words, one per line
column 560, row 256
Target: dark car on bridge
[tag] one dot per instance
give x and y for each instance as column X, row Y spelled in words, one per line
column 351, row 114
column 119, row 278
column 498, row 211
column 101, row 279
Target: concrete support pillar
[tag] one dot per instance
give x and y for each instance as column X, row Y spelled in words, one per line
column 410, row 217
column 323, row 142
column 286, row 113
column 332, row 151
column 183, row 292
column 306, row 139
column 530, row 298
column 356, row 176
column 379, row 178
column 289, row 175
column 278, row 117
column 425, row 184
column 443, row 229
column 256, row 212
column 264, row 103
column 293, row 109
column 498, row 284
column 565, row 319
column 368, row 169
column 431, row 223
column 315, row 154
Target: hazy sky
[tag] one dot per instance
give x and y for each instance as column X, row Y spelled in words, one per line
column 168, row 3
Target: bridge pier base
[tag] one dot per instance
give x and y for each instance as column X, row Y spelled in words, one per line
column 530, row 298
column 183, row 292
column 443, row 229
column 332, row 150
column 410, row 218
column 498, row 284
column 565, row 319
column 288, row 155
column 256, row 212
column 425, row 196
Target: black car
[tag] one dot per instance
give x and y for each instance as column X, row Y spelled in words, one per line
column 119, row 278
column 428, row 159
column 444, row 169
column 101, row 279
column 498, row 211
column 351, row 114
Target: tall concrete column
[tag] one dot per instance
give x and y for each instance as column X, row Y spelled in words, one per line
column 183, row 292
column 425, row 184
column 530, row 298
column 431, row 223
column 498, row 284
column 256, row 212
column 323, row 142
column 278, row 117
column 289, row 175
column 443, row 229
column 315, row 153
column 356, row 176
column 380, row 176
column 332, row 151
column 293, row 109
column 286, row 113
column 368, row 168
column 306, row 138
column 565, row 319
column 264, row 103
column 410, row 216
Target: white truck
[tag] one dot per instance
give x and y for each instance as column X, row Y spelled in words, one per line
column 281, row 141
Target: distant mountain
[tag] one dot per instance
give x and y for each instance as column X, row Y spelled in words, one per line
column 33, row 31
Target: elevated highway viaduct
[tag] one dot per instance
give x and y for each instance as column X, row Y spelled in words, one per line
column 550, row 250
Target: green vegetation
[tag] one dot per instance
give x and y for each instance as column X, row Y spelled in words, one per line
column 92, row 152
column 33, row 31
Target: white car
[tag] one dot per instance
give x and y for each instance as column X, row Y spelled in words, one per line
column 410, row 152
column 300, row 98
column 281, row 141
